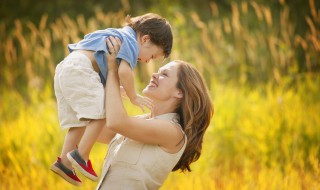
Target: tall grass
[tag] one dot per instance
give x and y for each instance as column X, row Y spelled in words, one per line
column 256, row 140
column 264, row 81
column 250, row 46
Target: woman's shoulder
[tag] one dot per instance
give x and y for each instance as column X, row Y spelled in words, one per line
column 173, row 117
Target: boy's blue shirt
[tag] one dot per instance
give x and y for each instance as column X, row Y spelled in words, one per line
column 96, row 41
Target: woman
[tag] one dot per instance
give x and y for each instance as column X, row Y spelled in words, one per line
column 144, row 150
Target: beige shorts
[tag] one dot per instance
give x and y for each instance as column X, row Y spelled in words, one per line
column 79, row 91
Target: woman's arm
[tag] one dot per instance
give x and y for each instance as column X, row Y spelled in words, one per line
column 151, row 131
column 106, row 135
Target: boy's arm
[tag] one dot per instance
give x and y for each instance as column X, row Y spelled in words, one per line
column 127, row 79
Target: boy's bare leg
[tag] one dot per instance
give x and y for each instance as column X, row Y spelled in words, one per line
column 71, row 141
column 89, row 137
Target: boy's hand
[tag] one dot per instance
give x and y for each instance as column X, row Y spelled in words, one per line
column 142, row 102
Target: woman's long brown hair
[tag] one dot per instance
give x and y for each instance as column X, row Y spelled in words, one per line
column 195, row 112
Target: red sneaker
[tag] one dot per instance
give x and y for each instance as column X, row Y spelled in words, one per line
column 65, row 173
column 85, row 167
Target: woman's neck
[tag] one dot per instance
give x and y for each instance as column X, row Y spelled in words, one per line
column 162, row 108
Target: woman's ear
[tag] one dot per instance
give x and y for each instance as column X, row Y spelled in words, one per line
column 178, row 94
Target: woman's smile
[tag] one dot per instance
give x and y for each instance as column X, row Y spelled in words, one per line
column 153, row 84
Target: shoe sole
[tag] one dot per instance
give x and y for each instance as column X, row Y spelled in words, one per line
column 83, row 171
column 64, row 176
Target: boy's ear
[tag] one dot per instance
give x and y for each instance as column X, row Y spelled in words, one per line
column 145, row 38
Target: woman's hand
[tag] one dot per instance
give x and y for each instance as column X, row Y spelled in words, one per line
column 113, row 44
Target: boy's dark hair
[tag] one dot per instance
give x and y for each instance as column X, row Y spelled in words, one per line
column 156, row 27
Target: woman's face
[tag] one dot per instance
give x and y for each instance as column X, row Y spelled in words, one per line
column 162, row 85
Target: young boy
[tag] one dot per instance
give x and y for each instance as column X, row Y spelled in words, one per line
column 79, row 85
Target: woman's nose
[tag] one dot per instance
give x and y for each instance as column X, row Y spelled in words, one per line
column 155, row 75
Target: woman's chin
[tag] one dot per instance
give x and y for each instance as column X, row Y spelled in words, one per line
column 147, row 92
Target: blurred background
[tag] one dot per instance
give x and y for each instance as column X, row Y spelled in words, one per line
column 260, row 59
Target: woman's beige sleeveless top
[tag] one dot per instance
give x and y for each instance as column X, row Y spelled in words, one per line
column 132, row 165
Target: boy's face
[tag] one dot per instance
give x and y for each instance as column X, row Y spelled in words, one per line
column 148, row 50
